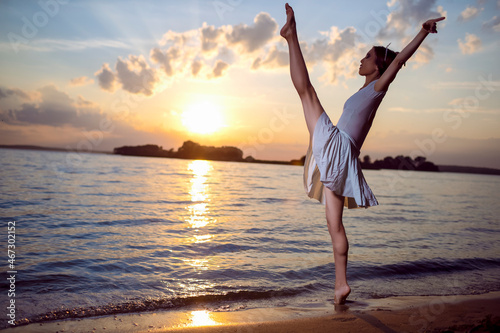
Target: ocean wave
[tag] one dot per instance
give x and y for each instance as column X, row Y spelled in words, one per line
column 17, row 203
column 421, row 267
column 153, row 304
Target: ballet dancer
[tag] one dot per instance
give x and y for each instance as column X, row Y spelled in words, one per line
column 332, row 172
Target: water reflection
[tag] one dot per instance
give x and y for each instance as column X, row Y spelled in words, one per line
column 203, row 238
column 200, row 170
column 199, row 213
column 202, row 318
column 197, row 264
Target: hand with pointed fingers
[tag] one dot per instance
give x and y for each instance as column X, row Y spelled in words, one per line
column 431, row 25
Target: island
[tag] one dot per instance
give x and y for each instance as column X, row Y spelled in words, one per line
column 195, row 151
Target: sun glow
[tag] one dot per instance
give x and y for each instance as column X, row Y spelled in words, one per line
column 202, row 318
column 203, row 118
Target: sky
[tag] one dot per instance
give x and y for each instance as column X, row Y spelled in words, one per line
column 92, row 75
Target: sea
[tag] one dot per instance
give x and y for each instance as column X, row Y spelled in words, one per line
column 102, row 234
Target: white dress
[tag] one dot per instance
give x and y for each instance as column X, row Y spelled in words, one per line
column 332, row 156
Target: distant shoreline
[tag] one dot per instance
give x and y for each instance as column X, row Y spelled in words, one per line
column 442, row 168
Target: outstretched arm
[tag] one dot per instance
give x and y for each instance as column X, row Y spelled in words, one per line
column 393, row 69
column 298, row 70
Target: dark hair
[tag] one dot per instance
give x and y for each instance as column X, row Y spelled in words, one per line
column 380, row 52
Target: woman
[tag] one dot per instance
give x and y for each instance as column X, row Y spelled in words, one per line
column 332, row 173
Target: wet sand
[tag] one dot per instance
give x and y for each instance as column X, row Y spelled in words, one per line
column 395, row 314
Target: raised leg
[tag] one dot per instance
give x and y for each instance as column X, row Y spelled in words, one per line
column 298, row 71
column 334, row 210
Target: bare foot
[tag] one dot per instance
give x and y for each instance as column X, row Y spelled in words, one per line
column 341, row 294
column 289, row 28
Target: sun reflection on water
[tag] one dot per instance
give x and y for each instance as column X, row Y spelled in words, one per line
column 197, row 264
column 200, row 195
column 200, row 169
column 203, row 238
column 198, row 215
column 199, row 210
column 201, row 318
column 197, row 219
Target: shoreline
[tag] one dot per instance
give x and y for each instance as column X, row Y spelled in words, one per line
column 393, row 314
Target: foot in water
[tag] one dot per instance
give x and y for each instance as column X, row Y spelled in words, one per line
column 341, row 294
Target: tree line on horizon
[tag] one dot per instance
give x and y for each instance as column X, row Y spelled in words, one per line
column 399, row 162
column 193, row 150
column 188, row 150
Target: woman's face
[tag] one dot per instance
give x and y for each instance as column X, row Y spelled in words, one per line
column 368, row 65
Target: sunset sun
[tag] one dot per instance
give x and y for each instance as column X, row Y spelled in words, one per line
column 202, row 118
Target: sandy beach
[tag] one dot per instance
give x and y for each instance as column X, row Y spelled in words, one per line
column 480, row 313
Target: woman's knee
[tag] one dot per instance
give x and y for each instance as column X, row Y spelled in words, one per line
column 334, row 207
column 334, row 226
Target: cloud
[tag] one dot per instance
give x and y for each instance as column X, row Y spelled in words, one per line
column 196, row 67
column 469, row 13
column 165, row 59
column 81, row 81
column 208, row 51
column 210, row 37
column 401, row 23
column 442, row 13
column 339, row 52
column 50, row 117
column 106, row 78
column 273, row 59
column 493, row 24
column 251, row 38
column 220, row 67
column 136, row 76
column 472, row 44
column 56, row 109
column 183, row 49
column 424, row 55
column 133, row 75
column 81, row 102
column 5, row 92
column 409, row 13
